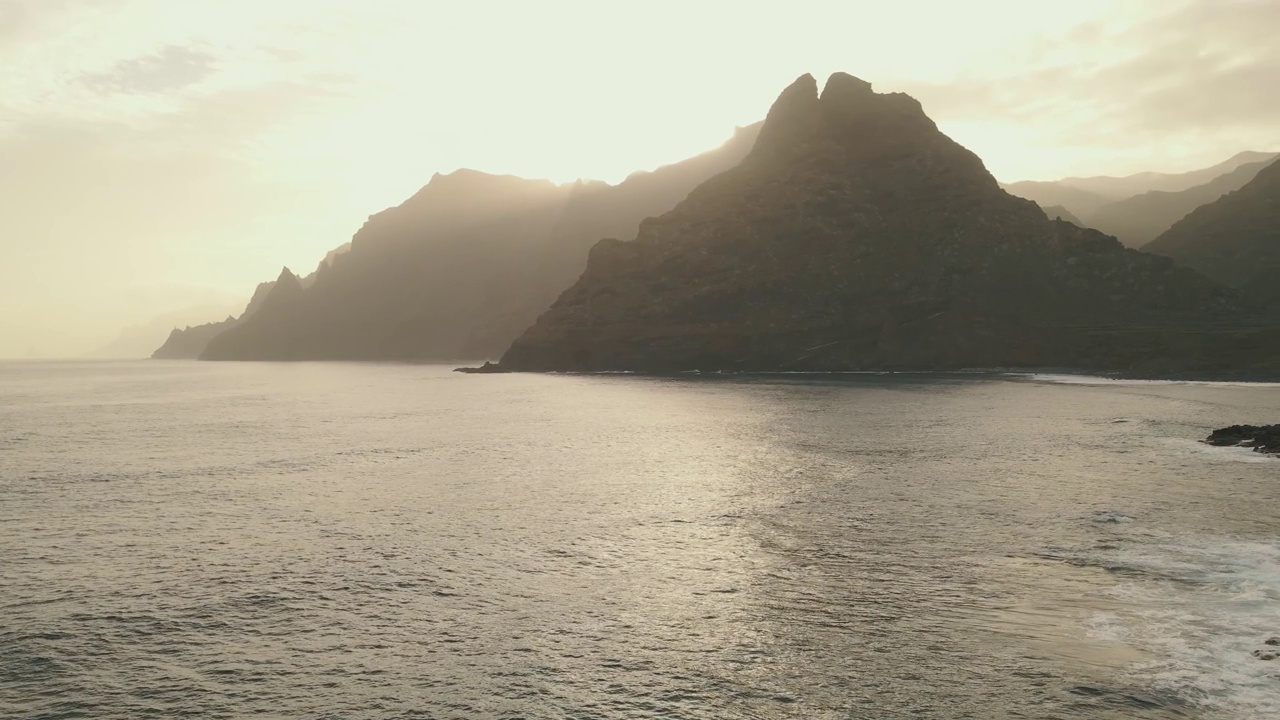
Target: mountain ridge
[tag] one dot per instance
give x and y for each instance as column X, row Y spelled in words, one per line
column 462, row 266
column 857, row 236
column 1235, row 239
column 1085, row 196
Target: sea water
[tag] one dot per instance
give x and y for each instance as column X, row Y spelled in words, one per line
column 399, row 541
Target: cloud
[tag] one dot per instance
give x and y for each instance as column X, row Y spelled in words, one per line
column 170, row 70
column 1190, row 84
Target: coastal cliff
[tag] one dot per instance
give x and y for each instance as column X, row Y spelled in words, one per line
column 462, row 267
column 856, row 235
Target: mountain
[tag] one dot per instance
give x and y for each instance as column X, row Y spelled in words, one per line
column 138, row 341
column 1085, row 196
column 1166, row 182
column 189, row 343
column 1137, row 220
column 1236, row 239
column 462, row 267
column 1057, row 212
column 857, row 236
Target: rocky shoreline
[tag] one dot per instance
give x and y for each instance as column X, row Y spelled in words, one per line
column 1262, row 438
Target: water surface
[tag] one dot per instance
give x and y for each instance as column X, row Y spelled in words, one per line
column 392, row 541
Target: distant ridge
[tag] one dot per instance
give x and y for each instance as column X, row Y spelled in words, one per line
column 460, row 268
column 1057, row 212
column 1235, row 239
column 1137, row 221
column 1086, row 196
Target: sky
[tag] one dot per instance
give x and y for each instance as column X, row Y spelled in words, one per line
column 157, row 155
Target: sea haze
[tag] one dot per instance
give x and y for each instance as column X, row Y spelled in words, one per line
column 399, row 541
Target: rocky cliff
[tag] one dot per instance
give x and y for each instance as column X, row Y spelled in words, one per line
column 1235, row 240
column 188, row 343
column 459, row 269
column 857, row 236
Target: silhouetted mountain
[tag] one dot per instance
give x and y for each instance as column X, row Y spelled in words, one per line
column 1235, row 239
column 1087, row 195
column 140, row 340
column 857, row 236
column 187, row 343
column 1057, row 212
column 459, row 269
column 1137, row 221
column 190, row 343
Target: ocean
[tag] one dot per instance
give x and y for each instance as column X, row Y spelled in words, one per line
column 313, row 540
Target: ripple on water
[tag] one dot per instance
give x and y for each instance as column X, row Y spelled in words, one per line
column 221, row 541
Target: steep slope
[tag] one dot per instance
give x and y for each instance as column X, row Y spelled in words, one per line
column 190, row 342
column 1235, row 239
column 140, row 340
column 1137, row 221
column 463, row 266
column 858, row 236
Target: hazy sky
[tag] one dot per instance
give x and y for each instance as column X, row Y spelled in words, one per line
column 157, row 154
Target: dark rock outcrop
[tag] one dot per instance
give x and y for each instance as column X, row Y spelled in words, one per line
column 1262, row 438
column 487, row 368
column 459, row 269
column 1235, row 240
column 857, row 236
column 1138, row 220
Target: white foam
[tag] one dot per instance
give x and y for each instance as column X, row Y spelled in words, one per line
column 1216, row 453
column 1111, row 516
column 1064, row 379
column 1199, row 611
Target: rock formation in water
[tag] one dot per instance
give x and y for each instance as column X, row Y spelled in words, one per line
column 857, row 236
column 1262, row 438
column 1235, row 240
column 459, row 269
column 1138, row 220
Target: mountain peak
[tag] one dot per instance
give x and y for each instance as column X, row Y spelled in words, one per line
column 794, row 116
column 858, row 235
column 843, row 85
column 286, row 286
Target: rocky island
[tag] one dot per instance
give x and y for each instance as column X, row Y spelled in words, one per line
column 1262, row 438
